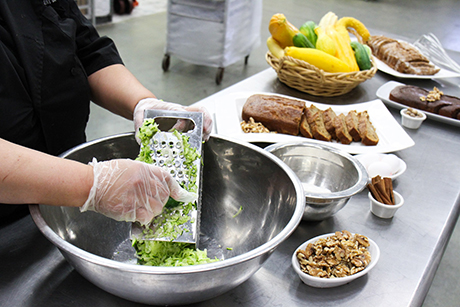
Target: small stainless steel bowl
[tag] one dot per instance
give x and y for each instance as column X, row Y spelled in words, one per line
column 329, row 176
column 235, row 174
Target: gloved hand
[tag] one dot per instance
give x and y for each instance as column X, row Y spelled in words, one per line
column 152, row 103
column 127, row 190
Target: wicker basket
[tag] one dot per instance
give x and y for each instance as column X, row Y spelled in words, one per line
column 309, row 79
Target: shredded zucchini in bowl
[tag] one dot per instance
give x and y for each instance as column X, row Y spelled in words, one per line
column 170, row 254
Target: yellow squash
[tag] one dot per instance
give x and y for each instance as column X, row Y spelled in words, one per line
column 318, row 58
column 324, row 42
column 274, row 47
column 339, row 34
column 282, row 30
column 344, row 50
column 355, row 27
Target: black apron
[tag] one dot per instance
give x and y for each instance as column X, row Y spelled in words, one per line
column 47, row 51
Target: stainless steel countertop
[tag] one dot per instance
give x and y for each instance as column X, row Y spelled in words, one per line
column 34, row 273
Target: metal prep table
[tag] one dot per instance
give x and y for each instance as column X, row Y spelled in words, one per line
column 34, row 273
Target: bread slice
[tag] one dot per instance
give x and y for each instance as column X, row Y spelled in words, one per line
column 328, row 119
column 315, row 120
column 366, row 130
column 341, row 130
column 352, row 125
column 280, row 114
column 305, row 127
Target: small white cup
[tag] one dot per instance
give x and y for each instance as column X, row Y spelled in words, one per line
column 383, row 210
column 412, row 122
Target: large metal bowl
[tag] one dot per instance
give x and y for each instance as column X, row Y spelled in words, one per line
column 234, row 174
column 329, row 176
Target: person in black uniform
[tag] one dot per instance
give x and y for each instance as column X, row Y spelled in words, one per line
column 53, row 63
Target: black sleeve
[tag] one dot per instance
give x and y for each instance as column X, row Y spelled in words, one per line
column 94, row 52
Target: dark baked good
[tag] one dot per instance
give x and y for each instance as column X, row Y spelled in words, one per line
column 401, row 56
column 430, row 101
column 277, row 113
column 452, row 111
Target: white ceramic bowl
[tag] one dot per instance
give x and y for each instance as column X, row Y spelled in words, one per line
column 390, row 165
column 385, row 211
column 411, row 122
column 319, row 282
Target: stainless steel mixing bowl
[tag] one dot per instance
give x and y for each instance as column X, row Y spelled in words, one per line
column 234, row 174
column 329, row 176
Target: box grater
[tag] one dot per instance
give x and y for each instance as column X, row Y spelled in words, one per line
column 167, row 151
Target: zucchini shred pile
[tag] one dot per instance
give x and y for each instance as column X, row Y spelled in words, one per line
column 163, row 253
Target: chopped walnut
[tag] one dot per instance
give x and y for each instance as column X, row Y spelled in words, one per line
column 339, row 255
column 433, row 95
column 252, row 127
column 413, row 113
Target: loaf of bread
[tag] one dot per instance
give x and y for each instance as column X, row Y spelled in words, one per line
column 341, row 130
column 329, row 118
column 304, row 128
column 430, row 101
column 366, row 130
column 291, row 116
column 401, row 56
column 277, row 113
column 315, row 120
column 352, row 125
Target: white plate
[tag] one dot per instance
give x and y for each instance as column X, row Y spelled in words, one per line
column 442, row 73
column 319, row 282
column 368, row 159
column 392, row 137
column 384, row 94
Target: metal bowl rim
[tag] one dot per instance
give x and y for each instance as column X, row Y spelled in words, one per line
column 135, row 268
column 355, row 189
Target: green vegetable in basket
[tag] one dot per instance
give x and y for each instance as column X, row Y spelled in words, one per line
column 308, row 29
column 302, row 41
column 361, row 55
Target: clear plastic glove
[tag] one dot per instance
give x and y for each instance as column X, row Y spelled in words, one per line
column 127, row 190
column 152, row 103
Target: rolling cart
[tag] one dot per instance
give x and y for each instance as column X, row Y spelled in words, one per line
column 214, row 33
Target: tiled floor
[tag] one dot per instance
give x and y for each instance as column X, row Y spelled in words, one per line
column 141, row 40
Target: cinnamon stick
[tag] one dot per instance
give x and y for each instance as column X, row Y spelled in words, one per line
column 382, row 190
column 389, row 187
column 375, row 193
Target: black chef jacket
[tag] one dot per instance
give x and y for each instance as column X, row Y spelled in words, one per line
column 47, row 51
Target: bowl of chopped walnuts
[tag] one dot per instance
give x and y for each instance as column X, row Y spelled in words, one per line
column 412, row 118
column 335, row 259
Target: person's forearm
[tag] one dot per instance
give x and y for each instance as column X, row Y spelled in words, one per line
column 116, row 89
column 32, row 177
